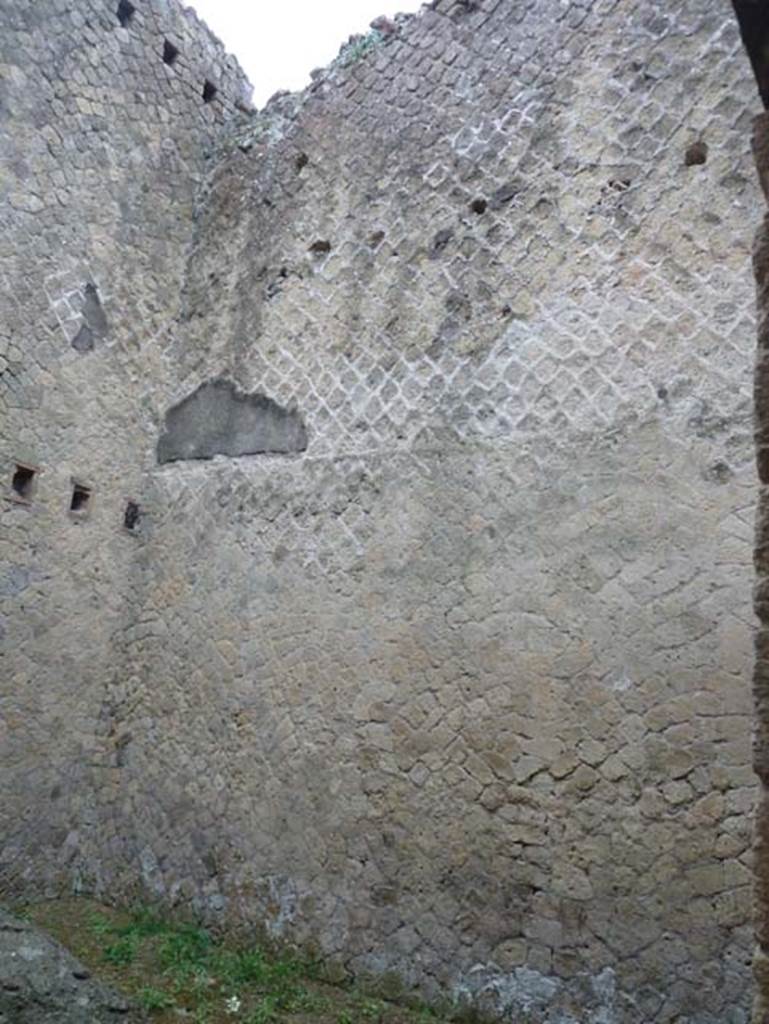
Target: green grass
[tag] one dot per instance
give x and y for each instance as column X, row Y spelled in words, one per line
column 174, row 971
column 121, row 952
column 210, row 975
column 150, row 999
column 353, row 52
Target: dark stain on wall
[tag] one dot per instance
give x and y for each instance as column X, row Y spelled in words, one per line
column 94, row 324
column 218, row 419
column 753, row 17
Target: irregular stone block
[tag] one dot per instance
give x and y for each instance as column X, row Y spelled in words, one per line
column 41, row 983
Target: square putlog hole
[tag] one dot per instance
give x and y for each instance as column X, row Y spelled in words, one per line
column 170, row 53
column 23, row 482
column 209, row 91
column 132, row 516
column 80, row 502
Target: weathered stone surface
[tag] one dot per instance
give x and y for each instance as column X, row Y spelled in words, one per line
column 761, row 668
column 459, row 693
column 41, row 983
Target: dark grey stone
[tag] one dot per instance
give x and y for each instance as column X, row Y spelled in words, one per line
column 218, row 419
column 41, row 983
column 94, row 326
column 83, row 340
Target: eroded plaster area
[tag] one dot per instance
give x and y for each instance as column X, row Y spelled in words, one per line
column 218, row 419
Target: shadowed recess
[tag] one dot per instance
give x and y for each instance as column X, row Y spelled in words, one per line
column 94, row 325
column 753, row 16
column 218, row 419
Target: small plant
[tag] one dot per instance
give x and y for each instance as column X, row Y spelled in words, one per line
column 121, row 952
column 144, row 922
column 240, row 967
column 184, row 951
column 354, row 51
column 152, row 999
column 265, row 1012
column 371, row 1009
column 311, row 1002
column 99, row 924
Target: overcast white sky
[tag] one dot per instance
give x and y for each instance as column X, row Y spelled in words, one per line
column 279, row 42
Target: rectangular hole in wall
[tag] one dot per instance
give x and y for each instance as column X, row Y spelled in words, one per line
column 170, row 53
column 209, row 91
column 125, row 12
column 23, row 482
column 132, row 516
column 81, row 499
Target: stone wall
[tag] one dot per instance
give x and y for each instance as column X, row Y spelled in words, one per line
column 761, row 1010
column 103, row 147
column 456, row 689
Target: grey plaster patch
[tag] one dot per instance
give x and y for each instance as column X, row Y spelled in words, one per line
column 218, row 419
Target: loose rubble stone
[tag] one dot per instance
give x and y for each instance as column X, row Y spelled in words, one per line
column 41, row 983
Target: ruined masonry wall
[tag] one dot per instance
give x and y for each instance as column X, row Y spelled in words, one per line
column 103, row 147
column 761, row 674
column 458, row 694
